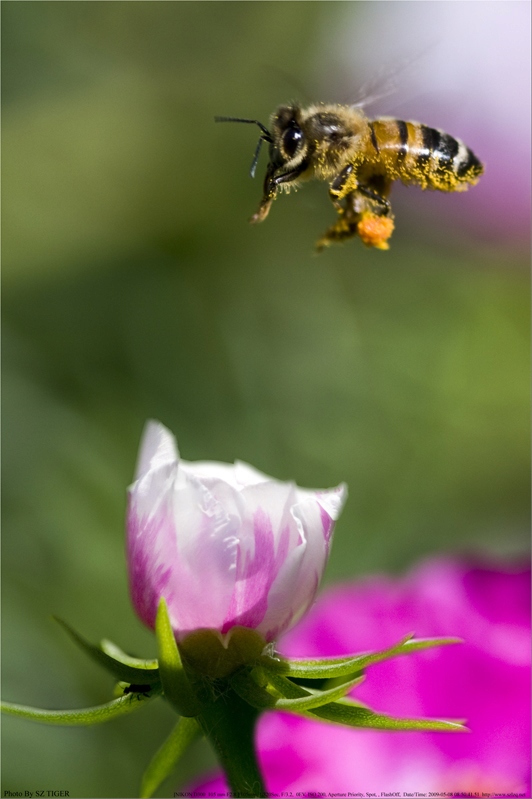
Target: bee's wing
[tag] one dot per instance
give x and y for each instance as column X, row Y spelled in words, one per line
column 385, row 81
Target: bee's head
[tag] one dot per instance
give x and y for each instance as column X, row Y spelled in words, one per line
column 321, row 136
column 288, row 150
column 289, row 143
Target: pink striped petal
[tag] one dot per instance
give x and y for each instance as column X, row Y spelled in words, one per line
column 224, row 544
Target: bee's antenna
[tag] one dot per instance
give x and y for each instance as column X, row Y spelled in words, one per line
column 266, row 136
column 265, row 131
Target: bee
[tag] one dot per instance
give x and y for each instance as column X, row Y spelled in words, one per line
column 360, row 159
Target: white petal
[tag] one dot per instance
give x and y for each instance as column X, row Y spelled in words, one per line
column 158, row 448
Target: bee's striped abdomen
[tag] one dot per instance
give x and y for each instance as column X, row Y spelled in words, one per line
column 416, row 154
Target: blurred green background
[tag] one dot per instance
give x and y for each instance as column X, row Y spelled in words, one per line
column 134, row 288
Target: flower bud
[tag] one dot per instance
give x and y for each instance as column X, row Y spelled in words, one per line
column 225, row 545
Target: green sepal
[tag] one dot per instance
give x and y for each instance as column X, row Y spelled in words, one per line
column 247, row 688
column 124, row 671
column 250, row 691
column 84, row 716
column 352, row 715
column 210, row 654
column 341, row 667
column 176, row 685
column 166, row 757
column 349, row 713
column 115, row 652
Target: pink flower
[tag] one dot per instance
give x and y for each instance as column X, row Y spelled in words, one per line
column 224, row 544
column 486, row 680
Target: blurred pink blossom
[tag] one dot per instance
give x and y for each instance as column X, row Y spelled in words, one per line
column 486, row 680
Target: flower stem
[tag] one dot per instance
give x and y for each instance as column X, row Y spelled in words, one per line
column 229, row 724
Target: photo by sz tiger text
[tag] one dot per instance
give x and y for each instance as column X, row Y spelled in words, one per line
column 32, row 794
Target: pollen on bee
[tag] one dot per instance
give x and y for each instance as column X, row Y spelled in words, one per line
column 375, row 231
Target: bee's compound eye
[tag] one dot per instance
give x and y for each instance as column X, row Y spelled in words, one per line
column 292, row 139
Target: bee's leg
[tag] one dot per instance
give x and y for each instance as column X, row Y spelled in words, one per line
column 345, row 227
column 343, row 192
column 342, row 229
column 269, row 192
column 271, row 185
column 362, row 213
column 380, row 205
column 344, row 197
column 342, row 185
column 376, row 222
column 264, row 209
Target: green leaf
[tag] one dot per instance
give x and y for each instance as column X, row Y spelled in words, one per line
column 115, row 652
column 317, row 698
column 341, row 667
column 273, row 662
column 256, row 695
column 177, row 687
column 123, row 671
column 165, row 759
column 290, row 689
column 298, row 693
column 84, row 716
column 247, row 689
column 352, row 715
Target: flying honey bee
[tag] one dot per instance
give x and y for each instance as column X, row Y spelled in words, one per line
column 360, row 159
